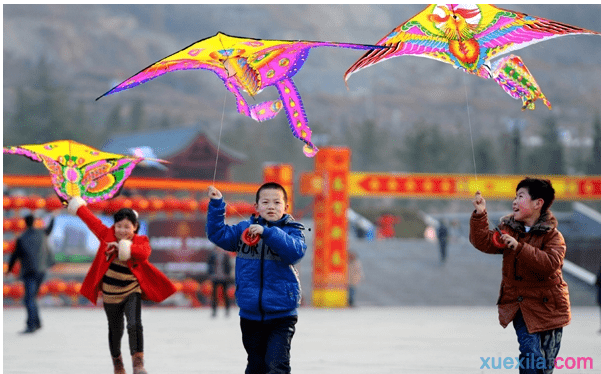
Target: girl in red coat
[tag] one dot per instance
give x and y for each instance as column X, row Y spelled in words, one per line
column 122, row 273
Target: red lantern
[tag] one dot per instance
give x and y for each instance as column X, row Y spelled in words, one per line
column 15, row 270
column 206, row 288
column 188, row 205
column 43, row 290
column 72, row 288
column 126, row 202
column 114, row 204
column 141, row 204
column 35, row 202
column 171, row 203
column 203, row 206
column 20, row 224
column 6, row 291
column 17, row 290
column 231, row 292
column 190, row 287
column 56, row 286
column 100, row 205
column 156, row 203
column 7, row 224
column 8, row 247
column 7, row 202
column 14, row 224
column 178, row 286
column 53, row 202
column 19, row 202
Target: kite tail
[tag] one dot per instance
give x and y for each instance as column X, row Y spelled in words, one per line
column 515, row 78
column 297, row 118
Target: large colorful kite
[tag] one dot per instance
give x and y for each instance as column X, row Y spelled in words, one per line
column 468, row 36
column 248, row 65
column 79, row 170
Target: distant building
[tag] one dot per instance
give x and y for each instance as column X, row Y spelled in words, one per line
column 190, row 151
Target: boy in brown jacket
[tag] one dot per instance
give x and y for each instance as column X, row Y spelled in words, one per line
column 533, row 293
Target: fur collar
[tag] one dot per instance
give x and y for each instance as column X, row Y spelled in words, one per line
column 545, row 223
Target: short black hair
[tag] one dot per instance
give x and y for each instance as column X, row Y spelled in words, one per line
column 29, row 220
column 129, row 214
column 539, row 189
column 271, row 186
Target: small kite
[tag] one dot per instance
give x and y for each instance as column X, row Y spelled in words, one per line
column 248, row 65
column 79, row 170
column 468, row 36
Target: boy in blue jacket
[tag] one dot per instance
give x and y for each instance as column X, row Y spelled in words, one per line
column 267, row 284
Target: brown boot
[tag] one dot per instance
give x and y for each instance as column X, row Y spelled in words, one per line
column 118, row 365
column 138, row 362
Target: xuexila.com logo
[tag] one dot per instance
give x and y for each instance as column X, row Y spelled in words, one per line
column 530, row 362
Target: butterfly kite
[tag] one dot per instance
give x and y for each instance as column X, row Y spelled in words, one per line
column 468, row 36
column 79, row 170
column 248, row 65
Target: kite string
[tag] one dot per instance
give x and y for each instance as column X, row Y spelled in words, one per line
column 218, row 146
column 219, row 141
column 469, row 121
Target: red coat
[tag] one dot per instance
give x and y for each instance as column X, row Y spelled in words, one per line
column 154, row 284
column 532, row 279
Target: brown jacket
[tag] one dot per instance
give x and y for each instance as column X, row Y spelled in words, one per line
column 532, row 279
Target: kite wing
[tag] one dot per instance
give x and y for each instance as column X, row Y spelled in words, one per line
column 79, row 170
column 468, row 36
column 248, row 65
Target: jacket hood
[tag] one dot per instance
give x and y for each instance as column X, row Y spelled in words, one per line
column 286, row 220
column 546, row 222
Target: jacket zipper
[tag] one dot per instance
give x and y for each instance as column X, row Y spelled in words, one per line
column 261, row 284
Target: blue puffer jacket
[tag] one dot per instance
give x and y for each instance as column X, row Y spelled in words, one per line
column 267, row 283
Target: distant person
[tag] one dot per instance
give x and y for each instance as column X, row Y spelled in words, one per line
column 355, row 275
column 32, row 251
column 443, row 235
column 267, row 283
column 219, row 273
column 122, row 273
column 533, row 293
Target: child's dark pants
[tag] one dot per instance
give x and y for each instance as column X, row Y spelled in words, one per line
column 131, row 307
column 537, row 350
column 267, row 344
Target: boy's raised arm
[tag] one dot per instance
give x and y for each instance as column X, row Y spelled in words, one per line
column 218, row 232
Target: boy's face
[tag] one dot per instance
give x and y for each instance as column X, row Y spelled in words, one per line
column 271, row 205
column 524, row 208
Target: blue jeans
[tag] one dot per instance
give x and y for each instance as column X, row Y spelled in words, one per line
column 538, row 350
column 31, row 283
column 267, row 344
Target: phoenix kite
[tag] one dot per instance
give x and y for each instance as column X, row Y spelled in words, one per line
column 469, row 36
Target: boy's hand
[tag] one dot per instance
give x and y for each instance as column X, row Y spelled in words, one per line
column 479, row 203
column 510, row 241
column 214, row 193
column 255, row 229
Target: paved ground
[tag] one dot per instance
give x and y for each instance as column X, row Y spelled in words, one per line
column 363, row 340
